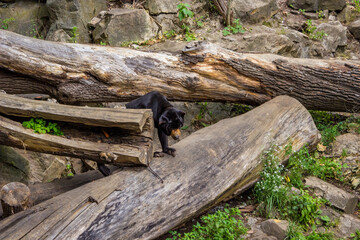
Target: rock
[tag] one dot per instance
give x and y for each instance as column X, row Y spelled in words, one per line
column 55, row 170
column 354, row 28
column 58, row 36
column 295, row 21
column 136, row 23
column 275, row 227
column 348, row 224
column 256, row 233
column 167, row 22
column 348, row 14
column 67, row 14
column 253, row 11
column 96, row 20
column 157, row 7
column 336, row 196
column 30, row 18
column 336, row 35
column 355, row 182
column 315, row 5
column 350, row 142
column 13, row 166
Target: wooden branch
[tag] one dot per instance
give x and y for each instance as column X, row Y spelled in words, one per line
column 132, row 131
column 130, row 119
column 75, row 73
column 211, row 165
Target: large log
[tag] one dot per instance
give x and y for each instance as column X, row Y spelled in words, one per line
column 131, row 131
column 203, row 72
column 211, row 165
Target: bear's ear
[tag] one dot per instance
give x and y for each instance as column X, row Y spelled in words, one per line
column 163, row 120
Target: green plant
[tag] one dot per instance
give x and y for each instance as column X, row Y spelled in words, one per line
column 236, row 28
column 310, row 30
column 356, row 235
column 271, row 189
column 199, row 21
column 224, row 224
column 189, row 35
column 356, row 4
column 320, row 14
column 184, row 11
column 103, row 43
column 39, row 126
column 169, row 34
column 74, row 34
column 5, row 23
column 302, row 11
column 238, row 109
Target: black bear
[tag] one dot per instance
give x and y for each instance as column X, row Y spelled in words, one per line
column 167, row 119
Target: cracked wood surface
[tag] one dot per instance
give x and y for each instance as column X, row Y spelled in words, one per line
column 75, row 73
column 132, row 143
column 211, row 165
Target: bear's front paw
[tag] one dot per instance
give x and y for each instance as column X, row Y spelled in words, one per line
column 170, row 151
column 158, row 154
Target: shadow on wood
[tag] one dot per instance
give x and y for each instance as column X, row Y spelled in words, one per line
column 212, row 164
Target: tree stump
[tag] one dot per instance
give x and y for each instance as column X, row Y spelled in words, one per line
column 14, row 198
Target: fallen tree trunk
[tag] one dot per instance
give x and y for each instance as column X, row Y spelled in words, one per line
column 121, row 137
column 211, row 165
column 75, row 73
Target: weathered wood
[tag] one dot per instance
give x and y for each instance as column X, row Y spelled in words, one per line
column 211, row 165
column 136, row 149
column 14, row 198
column 130, row 119
column 203, row 72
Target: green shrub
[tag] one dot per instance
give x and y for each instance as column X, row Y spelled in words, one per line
column 310, row 30
column 5, row 23
column 222, row 225
column 39, row 126
column 236, row 28
column 184, row 11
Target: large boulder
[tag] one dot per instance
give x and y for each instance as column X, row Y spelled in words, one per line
column 348, row 14
column 156, row 7
column 254, row 11
column 315, row 5
column 336, row 35
column 67, row 14
column 125, row 25
column 29, row 18
column 354, row 28
column 13, row 166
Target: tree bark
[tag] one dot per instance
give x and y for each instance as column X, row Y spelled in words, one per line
column 75, row 73
column 211, row 165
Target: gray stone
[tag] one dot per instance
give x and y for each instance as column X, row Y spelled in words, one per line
column 336, row 35
column 348, row 14
column 275, row 227
column 125, row 25
column 354, row 28
column 13, row 166
column 58, row 36
column 66, row 14
column 348, row 224
column 29, row 18
column 254, row 11
column 295, row 21
column 349, row 142
column 55, row 170
column 315, row 5
column 157, row 7
column 336, row 196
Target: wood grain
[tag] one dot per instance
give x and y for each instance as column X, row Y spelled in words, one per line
column 211, row 165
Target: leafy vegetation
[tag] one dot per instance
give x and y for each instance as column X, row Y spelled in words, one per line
column 74, row 34
column 356, row 4
column 310, row 30
column 224, row 224
column 332, row 125
column 320, row 14
column 236, row 28
column 39, row 125
column 184, row 11
column 5, row 23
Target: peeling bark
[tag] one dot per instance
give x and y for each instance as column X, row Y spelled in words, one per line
column 75, row 73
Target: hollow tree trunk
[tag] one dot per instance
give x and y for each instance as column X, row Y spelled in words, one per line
column 211, row 165
column 203, row 72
